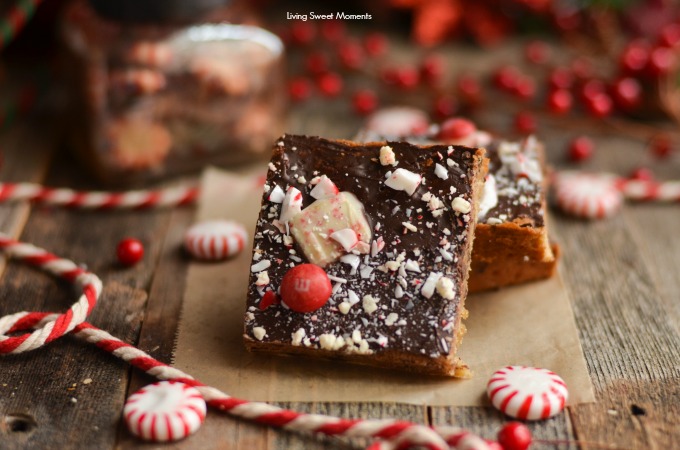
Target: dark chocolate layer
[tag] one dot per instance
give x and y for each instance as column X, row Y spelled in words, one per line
column 519, row 183
column 405, row 320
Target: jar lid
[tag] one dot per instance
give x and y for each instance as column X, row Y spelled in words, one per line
column 141, row 11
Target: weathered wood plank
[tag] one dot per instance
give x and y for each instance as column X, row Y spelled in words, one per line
column 24, row 156
column 40, row 381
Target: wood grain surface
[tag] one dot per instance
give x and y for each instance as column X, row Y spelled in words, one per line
column 622, row 275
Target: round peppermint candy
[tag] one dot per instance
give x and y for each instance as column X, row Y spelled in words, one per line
column 215, row 239
column 398, row 122
column 527, row 393
column 164, row 411
column 589, row 196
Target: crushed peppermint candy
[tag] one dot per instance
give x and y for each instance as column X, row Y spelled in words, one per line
column 459, row 204
column 324, row 188
column 404, row 180
column 292, row 204
column 387, row 157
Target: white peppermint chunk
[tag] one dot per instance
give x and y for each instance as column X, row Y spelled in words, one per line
column 262, row 279
column 352, row 297
column 292, row 204
column 404, row 180
column 441, row 172
column 377, row 245
column 346, row 237
column 344, row 307
column 387, row 156
column 298, row 336
column 259, row 333
column 330, row 342
column 370, row 304
column 412, row 266
column 260, row 266
column 325, row 188
column 353, row 260
column 459, row 204
column 391, row 319
column 277, row 195
column 445, row 288
column 430, row 284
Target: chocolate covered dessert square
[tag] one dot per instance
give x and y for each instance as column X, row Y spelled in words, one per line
column 511, row 238
column 362, row 252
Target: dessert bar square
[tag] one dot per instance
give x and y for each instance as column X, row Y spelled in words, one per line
column 511, row 238
column 391, row 224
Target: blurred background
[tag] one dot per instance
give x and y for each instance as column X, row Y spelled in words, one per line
column 141, row 90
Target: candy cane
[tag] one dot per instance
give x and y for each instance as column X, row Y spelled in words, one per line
column 15, row 19
column 392, row 434
column 161, row 198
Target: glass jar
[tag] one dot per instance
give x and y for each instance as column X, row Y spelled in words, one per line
column 155, row 99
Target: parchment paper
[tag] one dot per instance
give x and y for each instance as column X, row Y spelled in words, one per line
column 527, row 325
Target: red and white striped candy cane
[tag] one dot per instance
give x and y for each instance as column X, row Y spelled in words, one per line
column 648, row 190
column 392, row 434
column 141, row 199
column 57, row 325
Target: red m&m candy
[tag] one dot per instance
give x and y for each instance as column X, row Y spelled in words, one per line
column 305, row 288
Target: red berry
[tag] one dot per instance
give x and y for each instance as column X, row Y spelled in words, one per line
column 456, row 128
column 299, row 89
column 514, row 436
column 431, row 69
column 567, row 19
column 330, row 84
column 634, row 57
column 445, row 106
column 600, row 105
column 537, row 52
column 642, row 174
column 332, row 30
column 661, row 62
column 469, row 89
column 661, row 146
column 670, row 35
column 561, row 78
column 375, row 44
column 364, row 102
column 627, row 93
column 525, row 122
column 525, row 88
column 560, row 101
column 316, row 63
column 302, row 33
column 580, row 149
column 129, row 251
column 406, row 77
column 351, row 55
column 505, row 77
column 305, row 288
column 591, row 89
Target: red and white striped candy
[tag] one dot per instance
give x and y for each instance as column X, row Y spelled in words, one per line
column 165, row 411
column 527, row 393
column 398, row 122
column 215, row 239
column 589, row 196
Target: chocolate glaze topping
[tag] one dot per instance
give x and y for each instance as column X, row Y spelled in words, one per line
column 405, row 320
column 520, row 191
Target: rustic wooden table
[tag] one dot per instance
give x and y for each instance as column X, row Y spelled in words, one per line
column 622, row 275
